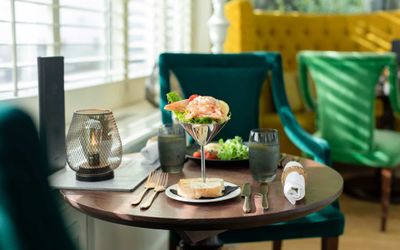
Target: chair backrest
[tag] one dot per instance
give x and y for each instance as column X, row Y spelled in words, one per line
column 27, row 204
column 234, row 78
column 345, row 84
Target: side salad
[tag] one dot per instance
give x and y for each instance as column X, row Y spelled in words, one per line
column 231, row 149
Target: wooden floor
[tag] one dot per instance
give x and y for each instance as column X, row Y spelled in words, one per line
column 361, row 231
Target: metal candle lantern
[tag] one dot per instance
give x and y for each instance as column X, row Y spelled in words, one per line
column 94, row 147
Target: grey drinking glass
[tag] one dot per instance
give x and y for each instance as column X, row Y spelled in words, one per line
column 171, row 147
column 263, row 154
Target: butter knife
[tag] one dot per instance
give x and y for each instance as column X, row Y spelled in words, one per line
column 264, row 194
column 246, row 193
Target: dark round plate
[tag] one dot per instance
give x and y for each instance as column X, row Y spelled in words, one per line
column 213, row 162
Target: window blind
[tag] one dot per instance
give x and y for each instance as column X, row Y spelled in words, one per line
column 156, row 26
column 102, row 41
column 91, row 35
column 26, row 31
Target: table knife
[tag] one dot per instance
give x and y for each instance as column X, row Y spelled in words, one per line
column 246, row 193
column 264, row 194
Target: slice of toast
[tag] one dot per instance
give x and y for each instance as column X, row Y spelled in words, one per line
column 195, row 188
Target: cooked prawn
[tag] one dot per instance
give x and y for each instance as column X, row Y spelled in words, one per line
column 179, row 106
column 201, row 107
column 205, row 106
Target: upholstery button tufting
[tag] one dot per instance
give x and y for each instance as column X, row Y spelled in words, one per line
column 272, row 32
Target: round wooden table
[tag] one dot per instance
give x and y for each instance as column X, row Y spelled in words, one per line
column 201, row 223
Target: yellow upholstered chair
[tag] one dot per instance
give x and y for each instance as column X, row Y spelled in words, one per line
column 289, row 33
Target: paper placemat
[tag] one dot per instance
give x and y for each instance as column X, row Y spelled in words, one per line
column 127, row 177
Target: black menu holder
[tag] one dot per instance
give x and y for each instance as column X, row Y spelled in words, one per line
column 52, row 110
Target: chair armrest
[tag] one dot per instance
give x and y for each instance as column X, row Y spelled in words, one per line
column 304, row 85
column 314, row 146
column 309, row 144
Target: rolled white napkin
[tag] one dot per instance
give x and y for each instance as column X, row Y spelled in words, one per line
column 150, row 152
column 293, row 181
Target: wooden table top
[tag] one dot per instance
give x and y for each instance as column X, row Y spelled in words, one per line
column 323, row 186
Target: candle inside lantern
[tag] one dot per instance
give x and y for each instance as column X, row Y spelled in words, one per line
column 93, row 132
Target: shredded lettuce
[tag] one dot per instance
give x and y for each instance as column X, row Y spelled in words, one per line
column 173, row 97
column 203, row 120
column 233, row 149
column 180, row 116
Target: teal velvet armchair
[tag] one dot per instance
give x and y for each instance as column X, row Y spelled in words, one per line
column 29, row 215
column 345, row 83
column 237, row 79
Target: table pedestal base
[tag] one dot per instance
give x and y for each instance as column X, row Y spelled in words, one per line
column 200, row 240
column 211, row 243
column 368, row 187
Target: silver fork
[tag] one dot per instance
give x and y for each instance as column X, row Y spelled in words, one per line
column 150, row 184
column 160, row 187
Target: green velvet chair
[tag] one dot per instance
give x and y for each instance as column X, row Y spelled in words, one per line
column 237, row 79
column 345, row 83
column 29, row 215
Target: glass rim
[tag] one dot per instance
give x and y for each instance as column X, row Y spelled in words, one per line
column 171, row 128
column 265, row 130
column 169, row 125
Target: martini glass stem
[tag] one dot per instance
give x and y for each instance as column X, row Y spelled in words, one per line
column 203, row 163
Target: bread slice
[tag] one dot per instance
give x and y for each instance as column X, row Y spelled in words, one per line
column 195, row 188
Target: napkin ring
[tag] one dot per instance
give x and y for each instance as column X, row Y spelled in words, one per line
column 292, row 166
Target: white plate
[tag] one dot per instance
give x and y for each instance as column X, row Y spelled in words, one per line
column 223, row 198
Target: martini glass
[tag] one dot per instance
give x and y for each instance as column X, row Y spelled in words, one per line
column 203, row 134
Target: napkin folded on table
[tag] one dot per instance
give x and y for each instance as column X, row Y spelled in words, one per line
column 150, row 152
column 293, row 181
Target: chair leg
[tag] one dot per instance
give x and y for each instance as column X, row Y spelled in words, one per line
column 276, row 245
column 386, row 175
column 330, row 243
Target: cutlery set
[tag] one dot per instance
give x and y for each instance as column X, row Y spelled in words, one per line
column 157, row 180
column 246, row 193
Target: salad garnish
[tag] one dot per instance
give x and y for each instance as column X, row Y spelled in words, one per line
column 231, row 149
